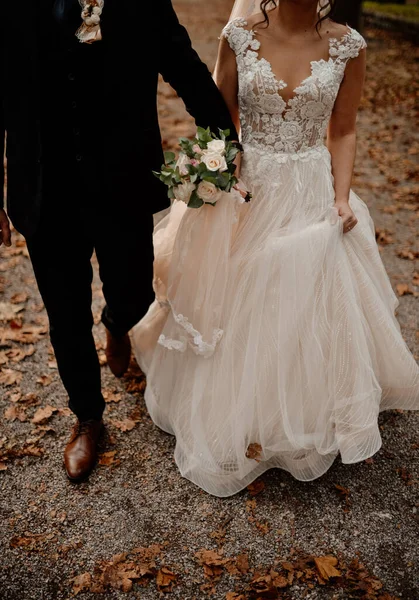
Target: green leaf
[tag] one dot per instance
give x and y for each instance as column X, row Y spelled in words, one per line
column 169, row 157
column 195, row 201
column 171, row 193
column 223, row 179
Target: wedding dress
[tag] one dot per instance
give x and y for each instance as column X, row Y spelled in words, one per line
column 272, row 341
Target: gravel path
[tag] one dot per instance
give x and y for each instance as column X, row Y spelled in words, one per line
column 137, row 529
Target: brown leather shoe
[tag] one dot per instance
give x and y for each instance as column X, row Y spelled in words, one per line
column 118, row 353
column 81, row 452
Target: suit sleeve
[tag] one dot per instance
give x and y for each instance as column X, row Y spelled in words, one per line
column 182, row 68
column 2, row 124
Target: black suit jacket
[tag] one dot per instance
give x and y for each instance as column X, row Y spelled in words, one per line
column 136, row 50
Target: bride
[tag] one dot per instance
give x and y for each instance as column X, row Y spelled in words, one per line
column 272, row 341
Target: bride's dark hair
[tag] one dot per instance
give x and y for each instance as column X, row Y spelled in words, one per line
column 325, row 11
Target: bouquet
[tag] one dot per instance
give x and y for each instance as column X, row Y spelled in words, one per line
column 203, row 170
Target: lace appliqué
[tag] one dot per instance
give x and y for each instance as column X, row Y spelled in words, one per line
column 268, row 122
column 195, row 342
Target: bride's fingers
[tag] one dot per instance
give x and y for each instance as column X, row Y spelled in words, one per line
column 349, row 224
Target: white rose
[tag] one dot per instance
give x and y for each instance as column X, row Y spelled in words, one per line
column 216, row 146
column 182, row 161
column 214, row 162
column 184, row 192
column 208, row 192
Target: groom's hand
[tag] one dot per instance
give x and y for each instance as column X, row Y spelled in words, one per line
column 5, row 233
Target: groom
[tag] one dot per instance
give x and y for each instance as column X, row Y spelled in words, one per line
column 82, row 140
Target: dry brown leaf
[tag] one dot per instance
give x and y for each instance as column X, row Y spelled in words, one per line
column 44, row 380
column 43, row 414
column 256, row 487
column 16, row 412
column 19, row 298
column 403, row 289
column 391, row 210
column 81, row 583
column 234, row 596
column 108, row 458
column 254, row 451
column 30, row 541
column 415, row 280
column 10, row 377
column 29, row 334
column 4, row 359
column 212, row 562
column 408, row 254
column 326, row 567
column 111, row 396
column 242, row 563
column 18, row 354
column 383, row 236
column 9, row 311
column 165, row 579
column 3, row 466
column 125, row 425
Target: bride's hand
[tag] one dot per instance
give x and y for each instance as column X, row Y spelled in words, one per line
column 349, row 220
column 238, row 163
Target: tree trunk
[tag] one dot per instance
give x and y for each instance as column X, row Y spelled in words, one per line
column 348, row 12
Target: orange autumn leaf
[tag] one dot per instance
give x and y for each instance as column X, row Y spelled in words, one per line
column 326, row 567
column 254, row 451
column 43, row 414
column 81, row 583
column 403, row 289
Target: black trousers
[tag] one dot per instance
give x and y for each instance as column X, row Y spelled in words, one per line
column 78, row 219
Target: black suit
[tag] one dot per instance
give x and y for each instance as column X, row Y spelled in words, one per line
column 82, row 140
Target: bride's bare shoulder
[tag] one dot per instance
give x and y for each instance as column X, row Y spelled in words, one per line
column 254, row 20
column 331, row 29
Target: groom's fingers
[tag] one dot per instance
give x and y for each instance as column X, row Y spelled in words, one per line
column 5, row 233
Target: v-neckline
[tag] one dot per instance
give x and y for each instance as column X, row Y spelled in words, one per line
column 282, row 84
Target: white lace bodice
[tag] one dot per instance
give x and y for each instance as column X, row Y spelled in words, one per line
column 267, row 120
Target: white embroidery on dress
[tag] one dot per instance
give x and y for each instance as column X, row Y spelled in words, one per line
column 196, row 343
column 270, row 123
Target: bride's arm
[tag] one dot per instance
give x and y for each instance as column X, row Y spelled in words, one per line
column 341, row 139
column 226, row 78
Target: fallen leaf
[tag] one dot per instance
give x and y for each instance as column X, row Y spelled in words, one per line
column 254, row 451
column 9, row 311
column 10, row 377
column 31, row 541
column 125, row 425
column 19, row 354
column 242, row 563
column 256, row 487
column 403, row 289
column 108, row 458
column 408, row 254
column 81, row 583
column 16, row 412
column 26, row 335
column 165, row 580
column 111, row 396
column 326, row 567
column 44, row 380
column 19, row 298
column 43, row 414
column 383, row 236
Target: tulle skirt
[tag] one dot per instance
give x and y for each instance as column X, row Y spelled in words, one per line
column 272, row 341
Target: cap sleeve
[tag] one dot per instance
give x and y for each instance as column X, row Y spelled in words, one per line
column 239, row 38
column 349, row 46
